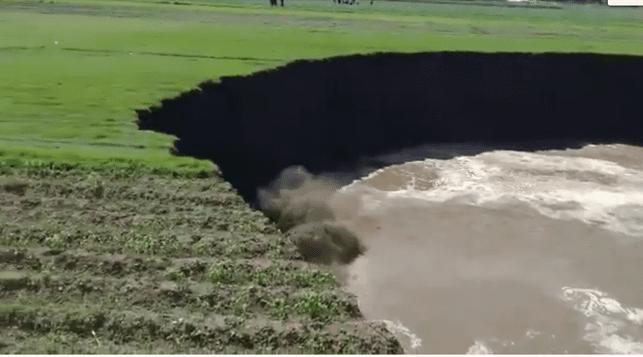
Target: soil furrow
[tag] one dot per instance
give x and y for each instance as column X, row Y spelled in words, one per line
column 159, row 295
column 215, row 332
column 260, row 271
column 170, row 243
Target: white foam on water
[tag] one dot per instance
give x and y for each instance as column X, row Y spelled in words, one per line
column 597, row 192
column 531, row 333
column 398, row 329
column 608, row 320
column 429, row 250
column 479, row 348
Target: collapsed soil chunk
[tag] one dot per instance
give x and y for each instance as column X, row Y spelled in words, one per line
column 326, row 243
column 300, row 211
column 297, row 197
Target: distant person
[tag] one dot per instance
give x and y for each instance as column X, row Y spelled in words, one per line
column 273, row 2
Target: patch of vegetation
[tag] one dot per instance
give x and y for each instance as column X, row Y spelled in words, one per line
column 236, row 272
column 191, row 333
column 324, row 307
column 96, row 256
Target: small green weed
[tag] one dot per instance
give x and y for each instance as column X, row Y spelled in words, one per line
column 317, row 306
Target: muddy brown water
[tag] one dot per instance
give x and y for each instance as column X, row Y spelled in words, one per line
column 503, row 252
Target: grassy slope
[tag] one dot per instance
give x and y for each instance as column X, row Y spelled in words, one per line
column 73, row 101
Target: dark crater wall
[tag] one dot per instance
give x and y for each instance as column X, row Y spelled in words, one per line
column 329, row 114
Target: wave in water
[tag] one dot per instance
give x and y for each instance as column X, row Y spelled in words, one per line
column 608, row 321
column 479, row 254
column 595, row 191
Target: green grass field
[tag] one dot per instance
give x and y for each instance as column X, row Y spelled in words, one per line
column 74, row 71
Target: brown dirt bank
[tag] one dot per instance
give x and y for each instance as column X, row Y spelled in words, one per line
column 327, row 115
